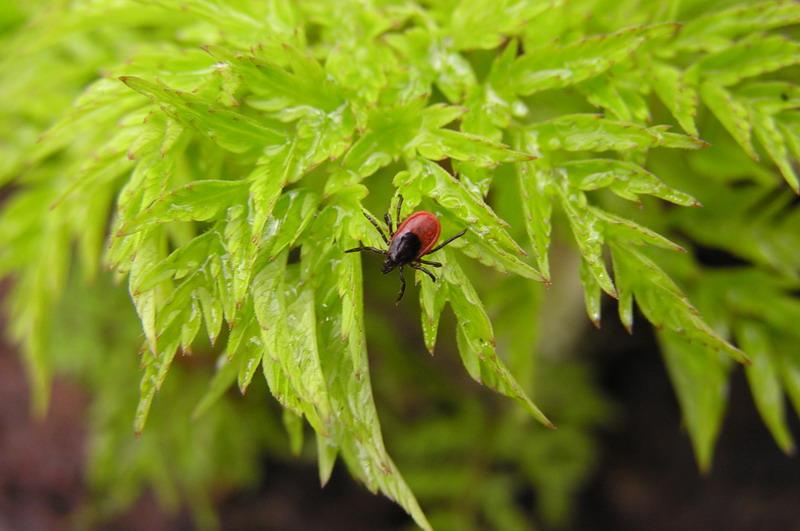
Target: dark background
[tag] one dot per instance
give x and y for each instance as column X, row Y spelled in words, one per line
column 647, row 478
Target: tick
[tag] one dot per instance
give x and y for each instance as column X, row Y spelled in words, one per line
column 414, row 238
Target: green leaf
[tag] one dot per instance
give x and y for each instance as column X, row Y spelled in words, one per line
column 367, row 77
column 348, row 284
column 715, row 29
column 178, row 319
column 147, row 391
column 483, row 24
column 239, row 252
column 439, row 144
column 771, row 97
column 232, row 16
column 101, row 103
column 621, row 229
column 292, row 213
column 788, row 359
column 390, row 132
column 251, row 359
column 182, row 261
column 294, row 427
column 700, row 380
column 278, row 382
column 624, row 285
column 556, row 65
column 591, row 132
column 266, row 183
column 764, row 381
column 323, row 136
column 663, row 303
column 306, row 84
column 196, row 201
column 588, row 232
column 454, row 74
column 435, row 60
column 791, row 133
column 432, row 298
column 326, row 458
column 732, row 113
column 230, row 130
column 171, row 324
column 149, row 180
column 289, row 332
column 747, row 58
column 602, row 92
column 677, row 95
column 534, row 181
column 591, row 293
column 476, row 342
column 438, row 115
column 145, row 300
column 771, row 137
column 626, row 179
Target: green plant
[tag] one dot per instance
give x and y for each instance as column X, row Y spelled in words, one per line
column 231, row 145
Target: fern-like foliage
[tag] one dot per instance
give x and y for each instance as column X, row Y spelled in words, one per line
column 232, row 146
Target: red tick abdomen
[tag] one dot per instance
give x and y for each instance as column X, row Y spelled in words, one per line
column 425, row 225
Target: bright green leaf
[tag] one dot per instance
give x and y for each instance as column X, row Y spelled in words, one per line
column 197, row 201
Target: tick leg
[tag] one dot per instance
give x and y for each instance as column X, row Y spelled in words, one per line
column 430, row 263
column 399, row 206
column 377, row 227
column 420, row 268
column 388, row 219
column 402, row 286
column 362, row 247
column 457, row 236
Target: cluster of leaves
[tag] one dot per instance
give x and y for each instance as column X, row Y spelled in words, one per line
column 232, row 145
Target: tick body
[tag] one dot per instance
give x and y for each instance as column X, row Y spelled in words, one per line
column 414, row 238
